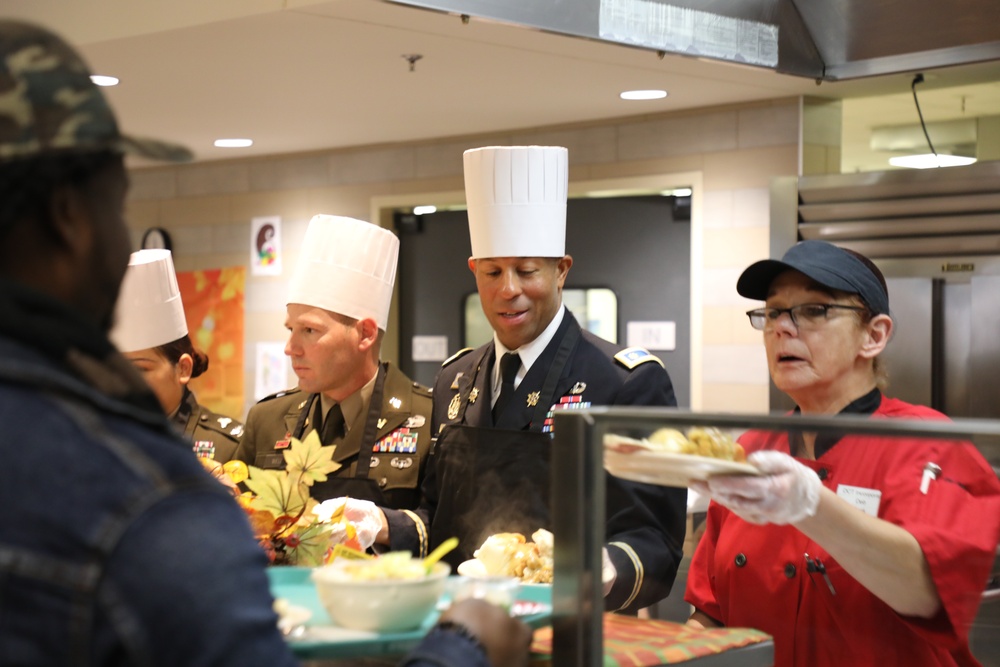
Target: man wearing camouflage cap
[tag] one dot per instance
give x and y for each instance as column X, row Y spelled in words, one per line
column 117, row 547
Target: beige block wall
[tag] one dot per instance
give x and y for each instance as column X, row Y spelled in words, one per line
column 730, row 154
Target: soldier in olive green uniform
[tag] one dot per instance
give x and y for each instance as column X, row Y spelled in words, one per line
column 391, row 463
column 215, row 436
column 151, row 331
column 376, row 416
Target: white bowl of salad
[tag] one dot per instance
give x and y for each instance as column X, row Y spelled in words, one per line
column 391, row 593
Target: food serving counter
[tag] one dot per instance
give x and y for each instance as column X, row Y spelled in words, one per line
column 578, row 497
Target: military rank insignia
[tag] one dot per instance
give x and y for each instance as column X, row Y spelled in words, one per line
column 204, row 449
column 402, row 441
column 565, row 403
column 631, row 357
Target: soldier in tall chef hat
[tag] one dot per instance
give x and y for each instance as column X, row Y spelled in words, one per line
column 379, row 419
column 151, row 331
column 493, row 405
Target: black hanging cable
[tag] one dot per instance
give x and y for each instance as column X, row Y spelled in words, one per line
column 919, row 78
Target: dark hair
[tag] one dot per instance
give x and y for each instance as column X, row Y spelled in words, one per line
column 26, row 185
column 172, row 352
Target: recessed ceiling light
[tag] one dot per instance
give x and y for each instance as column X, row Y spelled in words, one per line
column 424, row 210
column 233, row 143
column 643, row 94
column 102, row 80
column 930, row 161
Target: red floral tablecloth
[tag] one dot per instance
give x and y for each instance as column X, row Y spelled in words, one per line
column 637, row 642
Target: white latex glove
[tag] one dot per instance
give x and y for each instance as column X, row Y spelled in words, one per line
column 366, row 517
column 788, row 492
column 608, row 571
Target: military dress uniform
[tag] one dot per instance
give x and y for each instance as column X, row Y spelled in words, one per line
column 488, row 477
column 213, row 436
column 385, row 467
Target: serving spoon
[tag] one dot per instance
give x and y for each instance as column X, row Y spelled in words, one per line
column 440, row 552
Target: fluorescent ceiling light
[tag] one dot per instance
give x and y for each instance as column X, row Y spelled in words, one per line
column 643, row 94
column 423, row 210
column 102, row 80
column 930, row 161
column 233, row 143
column 682, row 192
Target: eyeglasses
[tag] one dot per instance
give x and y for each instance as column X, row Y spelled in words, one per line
column 803, row 316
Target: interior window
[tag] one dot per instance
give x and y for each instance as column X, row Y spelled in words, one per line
column 595, row 308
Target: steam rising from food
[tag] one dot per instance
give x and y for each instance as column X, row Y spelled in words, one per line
column 511, row 555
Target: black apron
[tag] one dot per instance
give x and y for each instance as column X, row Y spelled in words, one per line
column 359, row 486
column 495, row 480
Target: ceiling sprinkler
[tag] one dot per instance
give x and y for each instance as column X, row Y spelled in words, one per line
column 412, row 58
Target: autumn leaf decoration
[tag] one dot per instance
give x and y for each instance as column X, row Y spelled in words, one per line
column 280, row 507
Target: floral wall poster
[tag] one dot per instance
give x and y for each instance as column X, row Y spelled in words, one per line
column 213, row 305
column 265, row 246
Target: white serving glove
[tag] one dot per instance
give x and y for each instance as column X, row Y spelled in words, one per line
column 787, row 492
column 364, row 515
column 608, row 571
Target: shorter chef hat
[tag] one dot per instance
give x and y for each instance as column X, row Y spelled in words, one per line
column 348, row 267
column 516, row 198
column 149, row 312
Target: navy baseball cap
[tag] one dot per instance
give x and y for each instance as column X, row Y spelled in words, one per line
column 828, row 265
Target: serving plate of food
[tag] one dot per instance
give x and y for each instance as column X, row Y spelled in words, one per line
column 314, row 635
column 671, row 458
column 513, row 555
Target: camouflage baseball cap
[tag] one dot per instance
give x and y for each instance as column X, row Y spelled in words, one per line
column 48, row 102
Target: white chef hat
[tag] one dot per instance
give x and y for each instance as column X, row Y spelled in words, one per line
column 516, row 198
column 348, row 267
column 149, row 312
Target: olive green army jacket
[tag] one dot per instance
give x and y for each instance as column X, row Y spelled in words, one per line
column 395, row 460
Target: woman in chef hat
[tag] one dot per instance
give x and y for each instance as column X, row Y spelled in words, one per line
column 151, row 331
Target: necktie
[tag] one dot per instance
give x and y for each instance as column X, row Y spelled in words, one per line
column 510, row 363
column 333, row 425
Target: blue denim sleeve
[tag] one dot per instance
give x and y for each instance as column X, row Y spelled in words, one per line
column 187, row 586
column 445, row 648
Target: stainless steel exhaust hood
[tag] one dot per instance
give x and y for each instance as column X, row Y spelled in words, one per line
column 822, row 39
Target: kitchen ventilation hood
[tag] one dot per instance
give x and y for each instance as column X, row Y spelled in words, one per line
column 822, row 39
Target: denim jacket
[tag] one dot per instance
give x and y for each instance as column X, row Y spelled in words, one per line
column 116, row 548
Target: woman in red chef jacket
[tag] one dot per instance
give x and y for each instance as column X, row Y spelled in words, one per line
column 855, row 550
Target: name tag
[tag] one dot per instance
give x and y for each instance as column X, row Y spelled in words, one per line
column 866, row 500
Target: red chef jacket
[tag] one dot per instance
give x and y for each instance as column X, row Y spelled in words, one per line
column 746, row 575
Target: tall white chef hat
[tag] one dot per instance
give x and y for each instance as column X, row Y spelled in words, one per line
column 149, row 312
column 348, row 267
column 516, row 198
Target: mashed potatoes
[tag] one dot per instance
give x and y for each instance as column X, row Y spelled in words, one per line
column 511, row 555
